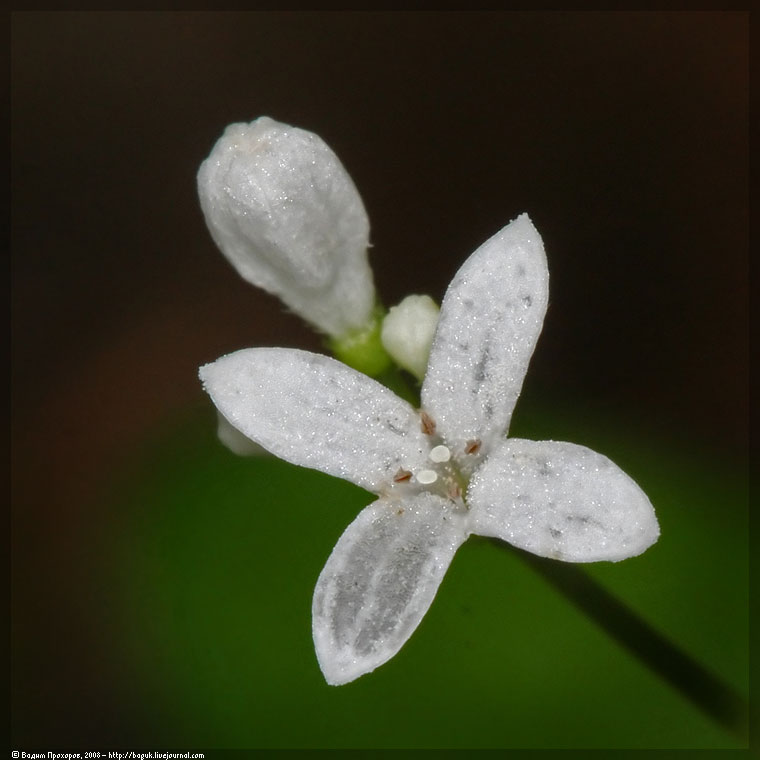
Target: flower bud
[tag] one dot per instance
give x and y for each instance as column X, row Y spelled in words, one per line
column 284, row 211
column 408, row 331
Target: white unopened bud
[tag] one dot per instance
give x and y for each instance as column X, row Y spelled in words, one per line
column 408, row 331
column 284, row 211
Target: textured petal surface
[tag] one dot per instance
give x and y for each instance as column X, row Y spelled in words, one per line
column 284, row 211
column 491, row 317
column 314, row 411
column 380, row 581
column 562, row 501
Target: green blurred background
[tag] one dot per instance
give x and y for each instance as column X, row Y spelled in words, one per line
column 161, row 587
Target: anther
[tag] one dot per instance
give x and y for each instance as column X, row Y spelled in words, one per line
column 440, row 454
column 472, row 447
column 428, row 423
column 426, row 477
column 402, row 476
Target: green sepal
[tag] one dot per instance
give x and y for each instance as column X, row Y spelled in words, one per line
column 362, row 349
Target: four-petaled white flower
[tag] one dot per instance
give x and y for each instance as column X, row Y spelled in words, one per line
column 441, row 473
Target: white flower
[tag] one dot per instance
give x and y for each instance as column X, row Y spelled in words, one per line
column 440, row 474
column 284, row 211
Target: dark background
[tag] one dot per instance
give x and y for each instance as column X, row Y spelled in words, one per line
column 624, row 135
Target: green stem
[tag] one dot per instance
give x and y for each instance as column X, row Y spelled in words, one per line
column 363, row 348
column 704, row 689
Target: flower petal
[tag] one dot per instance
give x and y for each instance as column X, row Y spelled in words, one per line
column 491, row 317
column 562, row 501
column 380, row 580
column 315, row 412
column 235, row 441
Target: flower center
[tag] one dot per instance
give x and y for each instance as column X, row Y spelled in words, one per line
column 441, row 474
column 440, row 477
column 438, row 456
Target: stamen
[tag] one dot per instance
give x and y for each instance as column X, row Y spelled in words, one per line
column 426, row 477
column 428, row 423
column 440, row 454
column 402, row 475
